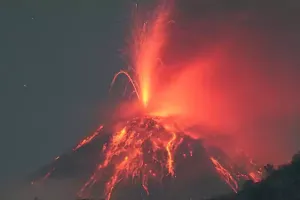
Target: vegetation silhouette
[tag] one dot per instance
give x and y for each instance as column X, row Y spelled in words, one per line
column 282, row 183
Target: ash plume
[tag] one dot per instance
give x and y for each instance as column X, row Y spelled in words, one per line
column 240, row 61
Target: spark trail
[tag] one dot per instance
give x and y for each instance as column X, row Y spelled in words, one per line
column 149, row 38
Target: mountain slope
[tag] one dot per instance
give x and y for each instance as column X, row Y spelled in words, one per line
column 200, row 171
column 280, row 184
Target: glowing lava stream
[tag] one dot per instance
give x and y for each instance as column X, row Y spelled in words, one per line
column 225, row 174
column 232, row 176
column 143, row 149
column 88, row 139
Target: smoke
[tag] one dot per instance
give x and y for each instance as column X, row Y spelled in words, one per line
column 234, row 66
column 49, row 190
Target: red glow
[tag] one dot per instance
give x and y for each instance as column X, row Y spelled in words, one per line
column 88, row 139
column 126, row 151
column 44, row 178
column 149, row 39
column 255, row 177
column 225, row 174
column 206, row 87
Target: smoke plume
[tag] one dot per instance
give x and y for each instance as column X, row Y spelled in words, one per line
column 234, row 66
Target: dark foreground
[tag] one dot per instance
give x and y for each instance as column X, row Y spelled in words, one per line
column 282, row 183
column 279, row 184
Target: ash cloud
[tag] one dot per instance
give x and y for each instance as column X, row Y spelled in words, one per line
column 251, row 88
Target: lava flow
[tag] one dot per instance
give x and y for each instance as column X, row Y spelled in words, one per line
column 143, row 149
column 234, row 176
column 226, row 175
column 88, row 139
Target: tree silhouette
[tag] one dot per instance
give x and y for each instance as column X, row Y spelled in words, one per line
column 248, row 184
column 280, row 183
column 268, row 170
column 296, row 158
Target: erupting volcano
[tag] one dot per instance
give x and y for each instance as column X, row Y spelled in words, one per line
column 154, row 148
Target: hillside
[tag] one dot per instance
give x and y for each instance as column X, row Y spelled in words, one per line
column 282, row 183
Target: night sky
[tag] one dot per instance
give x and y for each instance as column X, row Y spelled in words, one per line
column 58, row 59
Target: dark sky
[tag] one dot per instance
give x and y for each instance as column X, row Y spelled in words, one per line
column 58, row 57
column 65, row 53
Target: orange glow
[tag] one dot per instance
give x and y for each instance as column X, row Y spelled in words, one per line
column 206, row 80
column 134, row 85
column 149, row 40
column 185, row 94
column 88, row 139
column 135, row 152
column 232, row 174
column 44, row 178
column 256, row 177
column 228, row 178
column 169, row 147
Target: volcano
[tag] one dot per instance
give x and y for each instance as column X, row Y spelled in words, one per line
column 152, row 155
column 148, row 159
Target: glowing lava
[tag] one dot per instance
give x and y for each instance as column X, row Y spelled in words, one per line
column 148, row 42
column 143, row 149
column 44, row 178
column 233, row 174
column 88, row 139
column 149, row 38
column 225, row 174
